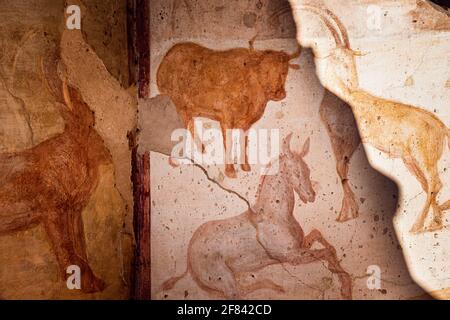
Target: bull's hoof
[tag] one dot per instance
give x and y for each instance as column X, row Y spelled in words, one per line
column 246, row 167
column 230, row 172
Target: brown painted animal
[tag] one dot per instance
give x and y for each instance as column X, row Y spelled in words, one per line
column 266, row 234
column 231, row 86
column 402, row 131
column 51, row 183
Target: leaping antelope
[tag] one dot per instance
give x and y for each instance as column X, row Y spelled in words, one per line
column 400, row 130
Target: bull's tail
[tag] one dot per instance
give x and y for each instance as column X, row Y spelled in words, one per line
column 170, row 283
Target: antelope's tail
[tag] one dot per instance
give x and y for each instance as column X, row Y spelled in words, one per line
column 170, row 283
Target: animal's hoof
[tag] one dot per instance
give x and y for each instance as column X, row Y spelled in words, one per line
column 434, row 227
column 173, row 163
column 416, row 230
column 246, row 167
column 346, row 286
column 349, row 210
column 230, row 172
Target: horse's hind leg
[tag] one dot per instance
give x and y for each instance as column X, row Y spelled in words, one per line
column 218, row 278
column 259, row 285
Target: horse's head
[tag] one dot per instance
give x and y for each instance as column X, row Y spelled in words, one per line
column 297, row 171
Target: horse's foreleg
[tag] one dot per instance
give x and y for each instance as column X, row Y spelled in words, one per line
column 329, row 254
column 316, row 236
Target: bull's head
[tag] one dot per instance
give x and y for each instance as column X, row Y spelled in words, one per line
column 273, row 69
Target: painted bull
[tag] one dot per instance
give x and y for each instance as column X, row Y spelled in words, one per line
column 231, row 86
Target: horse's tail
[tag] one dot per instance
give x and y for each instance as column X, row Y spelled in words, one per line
column 170, row 283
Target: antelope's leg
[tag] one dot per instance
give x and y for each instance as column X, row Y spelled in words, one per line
column 344, row 137
column 445, row 206
column 229, row 167
column 245, row 166
column 413, row 167
column 316, row 236
column 435, row 188
column 350, row 208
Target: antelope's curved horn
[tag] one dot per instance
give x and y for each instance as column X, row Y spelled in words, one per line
column 327, row 17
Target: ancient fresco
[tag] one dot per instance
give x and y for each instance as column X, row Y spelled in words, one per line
column 208, row 240
column 231, row 86
column 265, row 234
column 323, row 92
column 406, row 133
column 403, row 131
column 52, row 183
column 65, row 191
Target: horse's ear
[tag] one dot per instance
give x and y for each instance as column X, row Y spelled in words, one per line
column 305, row 148
column 286, row 144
